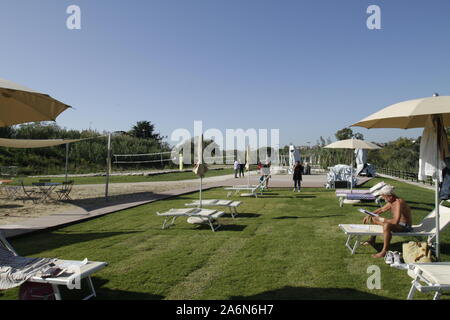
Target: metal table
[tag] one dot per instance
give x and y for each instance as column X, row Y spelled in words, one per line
column 46, row 189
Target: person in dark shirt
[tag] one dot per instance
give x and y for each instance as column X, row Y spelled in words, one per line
column 297, row 176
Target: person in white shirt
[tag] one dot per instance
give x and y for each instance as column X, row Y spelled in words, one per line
column 236, row 168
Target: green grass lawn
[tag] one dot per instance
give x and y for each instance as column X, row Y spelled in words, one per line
column 176, row 176
column 282, row 246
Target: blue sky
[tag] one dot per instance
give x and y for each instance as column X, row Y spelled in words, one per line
column 308, row 68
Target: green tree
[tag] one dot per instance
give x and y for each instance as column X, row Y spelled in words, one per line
column 348, row 133
column 358, row 136
column 7, row 132
column 401, row 154
column 344, row 134
column 145, row 130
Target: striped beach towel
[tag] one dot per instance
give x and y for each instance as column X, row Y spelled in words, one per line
column 367, row 197
column 15, row 270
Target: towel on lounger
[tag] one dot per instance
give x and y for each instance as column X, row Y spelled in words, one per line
column 16, row 270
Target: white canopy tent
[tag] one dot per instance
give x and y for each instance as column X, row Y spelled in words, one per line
column 34, row 144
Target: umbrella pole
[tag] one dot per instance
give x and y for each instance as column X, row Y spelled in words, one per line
column 201, row 186
column 351, row 175
column 108, row 166
column 67, row 160
column 437, row 197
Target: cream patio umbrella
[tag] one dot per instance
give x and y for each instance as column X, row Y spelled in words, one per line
column 200, row 168
column 352, row 144
column 19, row 104
column 415, row 114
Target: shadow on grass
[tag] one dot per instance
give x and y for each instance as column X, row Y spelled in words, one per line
column 444, row 248
column 243, row 215
column 394, row 246
column 224, row 227
column 285, row 197
column 48, row 241
column 206, row 227
column 106, row 293
column 115, row 294
column 300, row 293
column 308, row 217
column 91, row 204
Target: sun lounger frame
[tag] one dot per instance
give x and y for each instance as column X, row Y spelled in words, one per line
column 357, row 237
column 423, row 283
column 343, row 196
column 211, row 219
column 232, row 206
column 252, row 189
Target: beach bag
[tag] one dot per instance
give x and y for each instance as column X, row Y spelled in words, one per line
column 36, row 291
column 417, row 252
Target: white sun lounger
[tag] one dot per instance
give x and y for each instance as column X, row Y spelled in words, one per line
column 429, row 277
column 196, row 216
column 350, row 198
column 67, row 279
column 425, row 229
column 84, row 270
column 355, row 196
column 252, row 188
column 232, row 205
column 376, row 187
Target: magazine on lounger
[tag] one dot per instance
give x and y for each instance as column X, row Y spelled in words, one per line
column 368, row 212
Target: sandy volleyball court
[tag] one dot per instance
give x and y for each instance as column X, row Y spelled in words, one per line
column 92, row 196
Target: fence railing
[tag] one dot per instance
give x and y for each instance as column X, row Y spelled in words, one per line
column 406, row 175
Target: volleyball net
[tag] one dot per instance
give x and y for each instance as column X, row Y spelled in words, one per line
column 165, row 159
column 149, row 159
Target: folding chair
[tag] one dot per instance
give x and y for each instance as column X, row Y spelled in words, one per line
column 64, row 192
column 29, row 193
column 11, row 192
